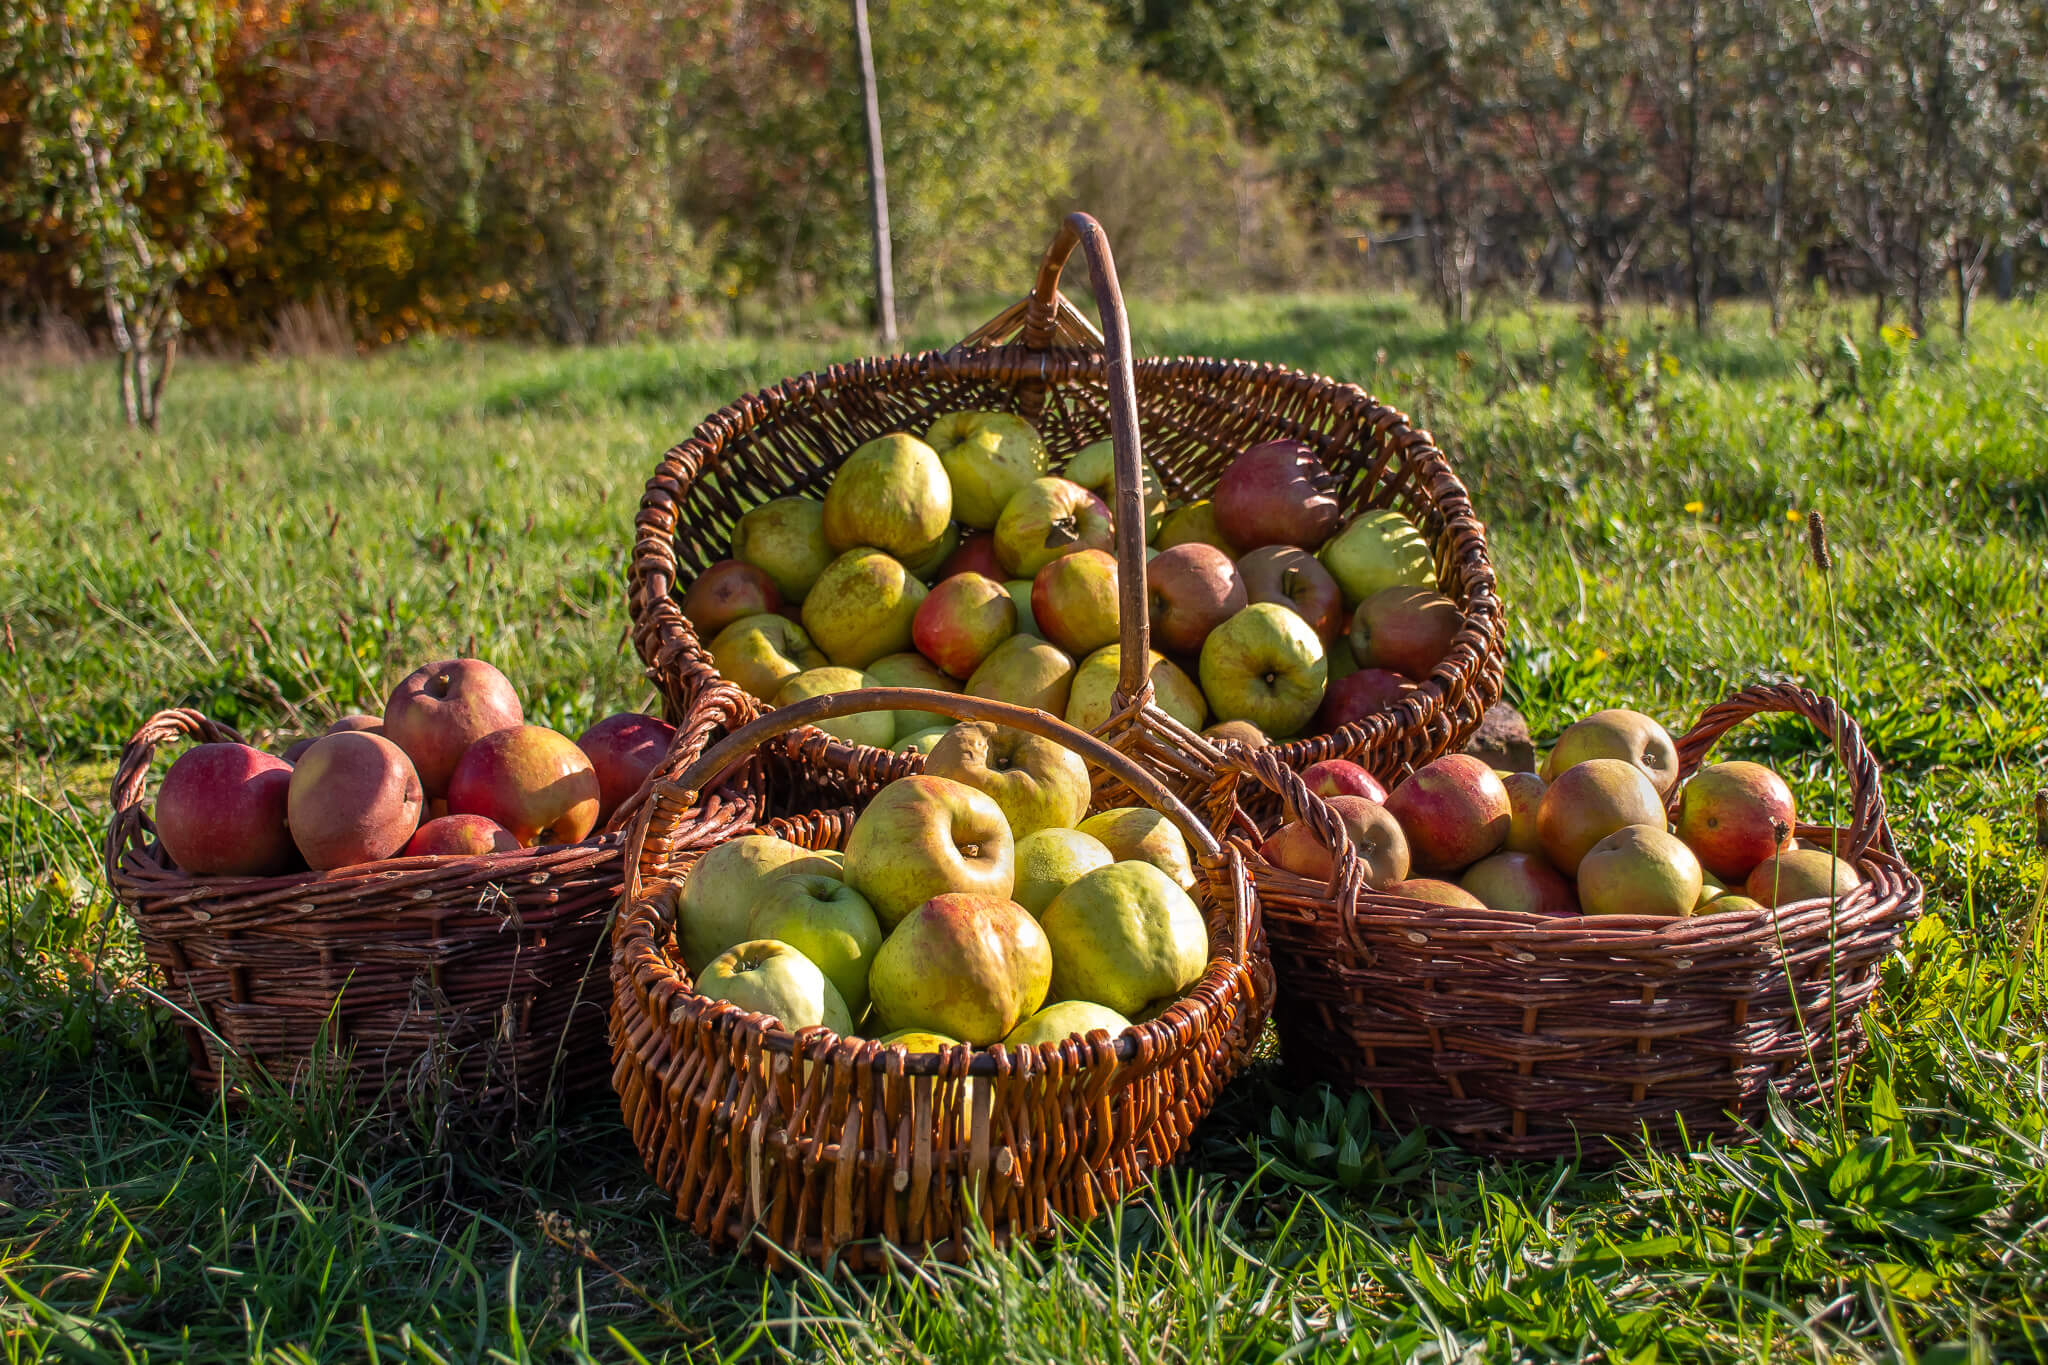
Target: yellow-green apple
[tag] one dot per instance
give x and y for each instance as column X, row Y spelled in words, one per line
column 1190, row 589
column 1074, row 601
column 1265, row 665
column 1525, row 794
column 961, row 621
column 923, row 742
column 1093, row 695
column 1125, row 936
column 1342, row 777
column 924, row 836
column 1629, row 736
column 354, row 798
column 623, row 749
column 1067, row 1019
column 1358, row 695
column 1803, row 874
column 1295, row 578
column 890, row 495
column 1020, row 593
column 1142, row 835
column 716, row 900
column 1710, row 886
column 828, row 922
column 222, row 809
column 1048, row 518
column 532, row 780
column 727, row 591
column 1094, row 468
column 924, row 564
column 1730, row 903
column 976, row 554
column 1436, row 892
column 357, row 721
column 1343, row 663
column 988, row 458
column 911, row 669
column 1028, row 671
column 761, row 653
column 1453, row 810
column 438, row 711
column 1378, row 550
column 1236, row 732
column 1375, row 836
column 918, row 1040
column 1639, row 870
column 785, row 539
column 861, row 607
column 968, row 965
column 459, row 836
column 1276, row 493
column 776, row 979
column 1051, row 860
column 877, row 729
column 1730, row 813
column 1520, row 882
column 1586, row 803
column 1405, row 630
column 1194, row 524
column 1037, row 783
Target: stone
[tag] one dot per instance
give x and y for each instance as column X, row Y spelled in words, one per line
column 1503, row 741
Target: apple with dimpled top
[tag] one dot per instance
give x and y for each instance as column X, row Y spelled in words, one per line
column 776, row 979
column 1294, row 578
column 1036, row 782
column 988, row 458
column 1454, row 812
column 1629, row 736
column 925, row 836
column 1276, row 493
column 436, row 712
column 966, row 965
column 1265, row 665
column 1050, row 517
column 828, row 922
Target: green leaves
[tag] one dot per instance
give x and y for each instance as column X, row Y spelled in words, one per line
column 1328, row 1145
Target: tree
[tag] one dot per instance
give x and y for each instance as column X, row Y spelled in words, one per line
column 123, row 155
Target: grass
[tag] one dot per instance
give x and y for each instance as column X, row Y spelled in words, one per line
column 303, row 532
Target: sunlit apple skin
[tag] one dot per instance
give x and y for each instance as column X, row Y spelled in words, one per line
column 1730, row 815
column 1191, row 589
column 727, row 591
column 1358, row 695
column 769, row 977
column 1028, row 671
column 436, row 712
column 1049, row 518
column 1453, row 810
column 1050, row 860
column 1092, row 699
column 354, row 798
column 925, row 836
column 1374, row 834
column 1094, row 468
column 761, row 653
column 1265, row 665
column 1520, row 882
column 464, row 836
column 862, row 607
column 874, row 729
column 623, row 749
column 1194, row 524
column 1037, row 783
column 961, row 621
column 1378, row 550
column 1627, row 735
column 1066, row 1019
column 1295, row 578
column 715, row 904
column 976, row 554
column 1141, row 834
column 911, row 669
column 785, row 539
column 964, row 965
column 1341, row 777
column 1125, row 936
column 1590, row 801
column 1276, row 493
column 1074, row 601
column 988, row 458
column 1803, row 874
column 890, row 495
column 1406, row 630
column 1639, row 870
column 221, row 812
column 828, row 922
column 532, row 780
column 1436, row 893
column 1525, row 794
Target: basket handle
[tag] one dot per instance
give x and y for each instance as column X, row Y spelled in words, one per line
column 722, row 705
column 130, row 826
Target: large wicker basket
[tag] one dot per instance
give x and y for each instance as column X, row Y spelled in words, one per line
column 833, row 1149
column 1533, row 1037
column 473, row 987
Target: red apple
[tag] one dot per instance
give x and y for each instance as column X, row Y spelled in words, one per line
column 1355, row 696
column 1521, row 882
column 531, row 780
column 438, row 711
column 1295, row 578
column 976, row 554
column 623, row 749
column 1453, row 810
column 1525, row 794
column 1373, row 832
column 1408, row 630
column 1074, row 601
column 1436, row 893
column 355, row 721
column 727, row 591
column 1340, row 777
column 1277, row 493
column 221, row 812
column 462, row 836
column 355, row 798
column 1191, row 589
column 961, row 621
column 1590, row 801
column 1730, row 815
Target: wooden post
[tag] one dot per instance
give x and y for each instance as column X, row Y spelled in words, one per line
column 878, row 185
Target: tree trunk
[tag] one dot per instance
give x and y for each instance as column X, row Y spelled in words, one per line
column 1780, row 181
column 1700, row 279
column 878, row 187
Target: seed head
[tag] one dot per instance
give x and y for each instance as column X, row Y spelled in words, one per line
column 1817, row 541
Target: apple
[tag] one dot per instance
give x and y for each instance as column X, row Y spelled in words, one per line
column 861, row 607
column 1341, row 777
column 1194, row 524
column 727, row 591
column 968, row 965
column 876, row 729
column 1190, row 589
column 761, row 653
column 1710, row 887
column 623, row 749
column 828, row 922
column 925, row 836
column 460, row 836
column 438, row 711
column 976, row 554
column 1407, row 630
column 1586, row 803
column 1436, row 893
column 222, row 812
column 1295, row 578
column 355, row 721
column 1125, row 936
column 988, row 458
column 354, row 798
column 1020, row 593
column 1729, row 903
column 1378, row 550
column 924, row 564
column 1525, row 794
column 918, row 1040
column 1803, row 874
column 715, row 902
column 961, row 621
column 1265, row 665
column 1037, row 783
column 1374, row 834
column 1730, row 814
column 533, row 781
column 911, row 669
column 1639, row 870
column 1237, row 732
column 1093, row 695
column 785, row 539
column 1028, row 671
column 1094, row 468
column 1343, row 663
column 1074, row 601
column 1627, row 735
column 1454, row 812
column 1367, row 692
column 890, row 495
column 1048, row 518
column 1276, row 493
column 923, row 742
column 1520, row 882
column 1067, row 1019
column 776, row 979
column 1141, row 834
column 1050, row 860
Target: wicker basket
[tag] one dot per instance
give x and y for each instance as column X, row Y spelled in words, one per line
column 835, row 1149
column 1042, row 360
column 462, row 984
column 1534, row 1037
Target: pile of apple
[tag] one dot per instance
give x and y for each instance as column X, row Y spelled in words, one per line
column 958, row 561
column 1588, row 835
column 976, row 903
column 451, row 745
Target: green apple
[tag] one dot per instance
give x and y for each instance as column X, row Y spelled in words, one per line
column 969, row 966
column 1343, row 659
column 1048, row 518
column 911, row 669
column 773, row 978
column 922, row 742
column 1379, row 549
column 1020, row 593
column 923, row 564
column 1037, row 783
column 989, row 457
column 1094, row 468
column 1125, row 936
column 828, row 922
column 716, row 899
column 924, row 836
column 1028, row 671
column 761, row 653
column 1051, row 860
column 1265, row 665
column 1074, row 601
column 1141, row 834
column 1802, row 874
column 784, row 539
column 820, row 862
column 861, row 607
column 1068, row 1019
column 1629, row 736
column 1092, row 697
column 874, row 728
column 1194, row 524
column 891, row 494
column 919, row 1040
column 1639, row 870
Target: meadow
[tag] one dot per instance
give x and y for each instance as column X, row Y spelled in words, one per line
column 305, row 530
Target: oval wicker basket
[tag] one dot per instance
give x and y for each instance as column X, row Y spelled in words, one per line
column 832, row 1149
column 1042, row 360
column 1526, row 1036
column 458, row 984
